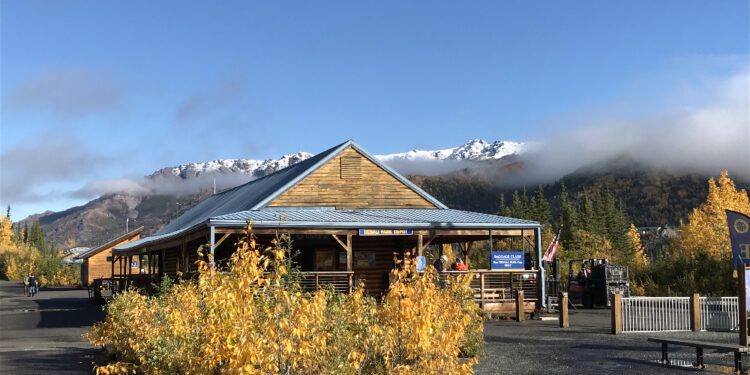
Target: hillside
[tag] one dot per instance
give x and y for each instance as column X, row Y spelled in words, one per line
column 471, row 176
column 652, row 196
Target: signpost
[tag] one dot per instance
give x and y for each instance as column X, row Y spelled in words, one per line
column 739, row 235
column 507, row 260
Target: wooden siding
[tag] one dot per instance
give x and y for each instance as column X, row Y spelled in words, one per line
column 375, row 189
column 97, row 266
column 375, row 277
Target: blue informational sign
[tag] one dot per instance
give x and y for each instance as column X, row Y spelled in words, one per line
column 739, row 235
column 421, row 263
column 507, row 260
column 133, row 264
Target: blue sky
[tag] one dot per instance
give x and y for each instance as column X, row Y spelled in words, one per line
column 103, row 90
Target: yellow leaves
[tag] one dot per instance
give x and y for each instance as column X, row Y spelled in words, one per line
column 706, row 229
column 251, row 319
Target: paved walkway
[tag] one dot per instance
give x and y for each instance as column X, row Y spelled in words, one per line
column 42, row 335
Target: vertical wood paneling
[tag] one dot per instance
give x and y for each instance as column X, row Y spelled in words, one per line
column 375, row 189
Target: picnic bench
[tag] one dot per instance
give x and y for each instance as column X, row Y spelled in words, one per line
column 699, row 346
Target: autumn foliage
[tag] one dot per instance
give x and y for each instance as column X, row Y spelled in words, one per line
column 253, row 318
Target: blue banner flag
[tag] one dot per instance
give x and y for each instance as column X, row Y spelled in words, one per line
column 739, row 236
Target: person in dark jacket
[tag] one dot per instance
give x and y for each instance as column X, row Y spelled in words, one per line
column 439, row 263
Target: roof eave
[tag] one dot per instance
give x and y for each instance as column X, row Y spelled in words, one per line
column 357, row 225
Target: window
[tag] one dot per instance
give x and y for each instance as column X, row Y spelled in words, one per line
column 351, row 167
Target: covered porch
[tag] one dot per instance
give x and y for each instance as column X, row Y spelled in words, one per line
column 345, row 258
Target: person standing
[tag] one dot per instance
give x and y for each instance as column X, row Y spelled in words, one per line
column 439, row 263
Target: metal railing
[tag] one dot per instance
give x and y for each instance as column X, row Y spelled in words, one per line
column 655, row 314
column 720, row 314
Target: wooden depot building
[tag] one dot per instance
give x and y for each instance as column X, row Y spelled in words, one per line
column 97, row 262
column 347, row 213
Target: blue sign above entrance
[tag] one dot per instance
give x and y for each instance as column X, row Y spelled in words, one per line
column 386, row 232
column 507, row 260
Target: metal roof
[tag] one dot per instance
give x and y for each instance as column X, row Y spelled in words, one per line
column 403, row 218
column 110, row 243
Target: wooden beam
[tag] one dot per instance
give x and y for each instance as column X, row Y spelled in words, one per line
column 420, row 245
column 429, row 241
column 467, row 249
column 288, row 231
column 343, row 245
column 349, row 257
column 224, row 237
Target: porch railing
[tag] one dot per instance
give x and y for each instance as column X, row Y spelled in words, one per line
column 492, row 286
column 341, row 281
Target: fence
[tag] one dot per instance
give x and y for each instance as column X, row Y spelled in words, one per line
column 664, row 314
column 720, row 314
column 649, row 314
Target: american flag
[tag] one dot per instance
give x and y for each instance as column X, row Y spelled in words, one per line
column 549, row 255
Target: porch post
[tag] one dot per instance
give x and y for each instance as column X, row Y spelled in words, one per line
column 349, row 257
column 420, row 245
column 543, row 281
column 211, row 248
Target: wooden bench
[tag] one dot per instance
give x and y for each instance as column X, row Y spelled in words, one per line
column 699, row 346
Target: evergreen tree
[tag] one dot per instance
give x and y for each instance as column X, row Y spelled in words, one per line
column 588, row 219
column 503, row 209
column 568, row 217
column 25, row 232
column 517, row 209
column 36, row 237
column 541, row 207
column 525, row 204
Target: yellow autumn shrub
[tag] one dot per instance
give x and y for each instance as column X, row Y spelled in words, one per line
column 253, row 318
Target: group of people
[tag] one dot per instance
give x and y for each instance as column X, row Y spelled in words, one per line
column 458, row 265
column 31, row 285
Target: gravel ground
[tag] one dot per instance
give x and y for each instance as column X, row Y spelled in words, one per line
column 42, row 335
column 587, row 347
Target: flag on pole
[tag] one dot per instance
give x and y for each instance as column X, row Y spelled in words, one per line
column 549, row 255
column 739, row 236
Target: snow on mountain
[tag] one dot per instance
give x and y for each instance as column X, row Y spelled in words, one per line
column 475, row 149
column 249, row 167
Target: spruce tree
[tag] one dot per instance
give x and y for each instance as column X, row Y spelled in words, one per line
column 568, row 218
column 588, row 220
column 541, row 207
column 525, row 204
column 36, row 237
column 517, row 209
column 503, row 209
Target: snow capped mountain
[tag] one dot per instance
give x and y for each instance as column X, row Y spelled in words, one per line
column 475, row 149
column 249, row 167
